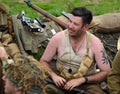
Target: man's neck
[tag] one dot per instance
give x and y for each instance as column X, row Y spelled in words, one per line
column 78, row 38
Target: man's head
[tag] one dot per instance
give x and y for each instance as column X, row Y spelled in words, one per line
column 84, row 13
column 10, row 87
column 25, row 75
column 79, row 21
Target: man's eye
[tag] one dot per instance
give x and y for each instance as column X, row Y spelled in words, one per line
column 76, row 24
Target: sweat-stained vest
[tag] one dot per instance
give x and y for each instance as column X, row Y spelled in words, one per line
column 71, row 65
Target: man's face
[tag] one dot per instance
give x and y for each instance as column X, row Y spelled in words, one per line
column 9, row 88
column 75, row 26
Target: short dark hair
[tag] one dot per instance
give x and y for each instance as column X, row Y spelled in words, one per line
column 84, row 13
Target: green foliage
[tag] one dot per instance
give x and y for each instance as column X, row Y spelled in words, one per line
column 68, row 5
column 99, row 7
column 55, row 7
column 39, row 54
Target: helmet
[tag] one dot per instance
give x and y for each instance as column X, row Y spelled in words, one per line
column 26, row 73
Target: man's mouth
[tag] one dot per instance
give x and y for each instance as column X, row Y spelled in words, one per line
column 70, row 30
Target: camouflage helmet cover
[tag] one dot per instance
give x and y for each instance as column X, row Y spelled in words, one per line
column 26, row 73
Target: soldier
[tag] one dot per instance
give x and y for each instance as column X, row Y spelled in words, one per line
column 114, row 76
column 2, row 54
column 78, row 52
column 24, row 76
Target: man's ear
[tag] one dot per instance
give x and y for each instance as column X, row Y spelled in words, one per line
column 86, row 27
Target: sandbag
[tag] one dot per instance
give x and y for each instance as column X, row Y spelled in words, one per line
column 3, row 14
column 63, row 18
column 106, row 23
column 3, row 17
column 12, row 49
column 6, row 39
column 10, row 25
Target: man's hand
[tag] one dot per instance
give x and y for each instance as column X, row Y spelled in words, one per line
column 59, row 81
column 74, row 83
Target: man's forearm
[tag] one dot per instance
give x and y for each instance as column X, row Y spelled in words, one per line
column 48, row 68
column 98, row 77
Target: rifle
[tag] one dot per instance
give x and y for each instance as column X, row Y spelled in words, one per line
column 44, row 13
column 65, row 14
column 34, row 26
column 76, row 89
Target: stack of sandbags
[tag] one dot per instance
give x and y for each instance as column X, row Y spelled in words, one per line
column 106, row 23
column 3, row 17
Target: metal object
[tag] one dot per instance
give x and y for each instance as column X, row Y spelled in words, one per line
column 46, row 14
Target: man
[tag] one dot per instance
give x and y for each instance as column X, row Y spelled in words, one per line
column 24, row 76
column 2, row 54
column 114, row 76
column 78, row 52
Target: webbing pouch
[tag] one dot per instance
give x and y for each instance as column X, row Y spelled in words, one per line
column 84, row 66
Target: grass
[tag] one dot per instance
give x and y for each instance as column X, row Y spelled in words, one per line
column 55, row 7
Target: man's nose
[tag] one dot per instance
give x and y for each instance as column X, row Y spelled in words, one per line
column 70, row 24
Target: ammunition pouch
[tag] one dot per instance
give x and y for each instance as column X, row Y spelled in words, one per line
column 84, row 66
column 82, row 71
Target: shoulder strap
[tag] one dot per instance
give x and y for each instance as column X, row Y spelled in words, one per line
column 86, row 61
column 88, row 42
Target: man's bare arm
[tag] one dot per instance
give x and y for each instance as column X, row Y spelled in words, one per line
column 98, row 77
column 47, row 68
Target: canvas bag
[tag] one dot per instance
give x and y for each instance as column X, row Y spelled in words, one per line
column 30, row 41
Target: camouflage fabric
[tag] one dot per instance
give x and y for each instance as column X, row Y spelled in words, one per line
column 27, row 74
column 113, row 79
column 52, row 89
